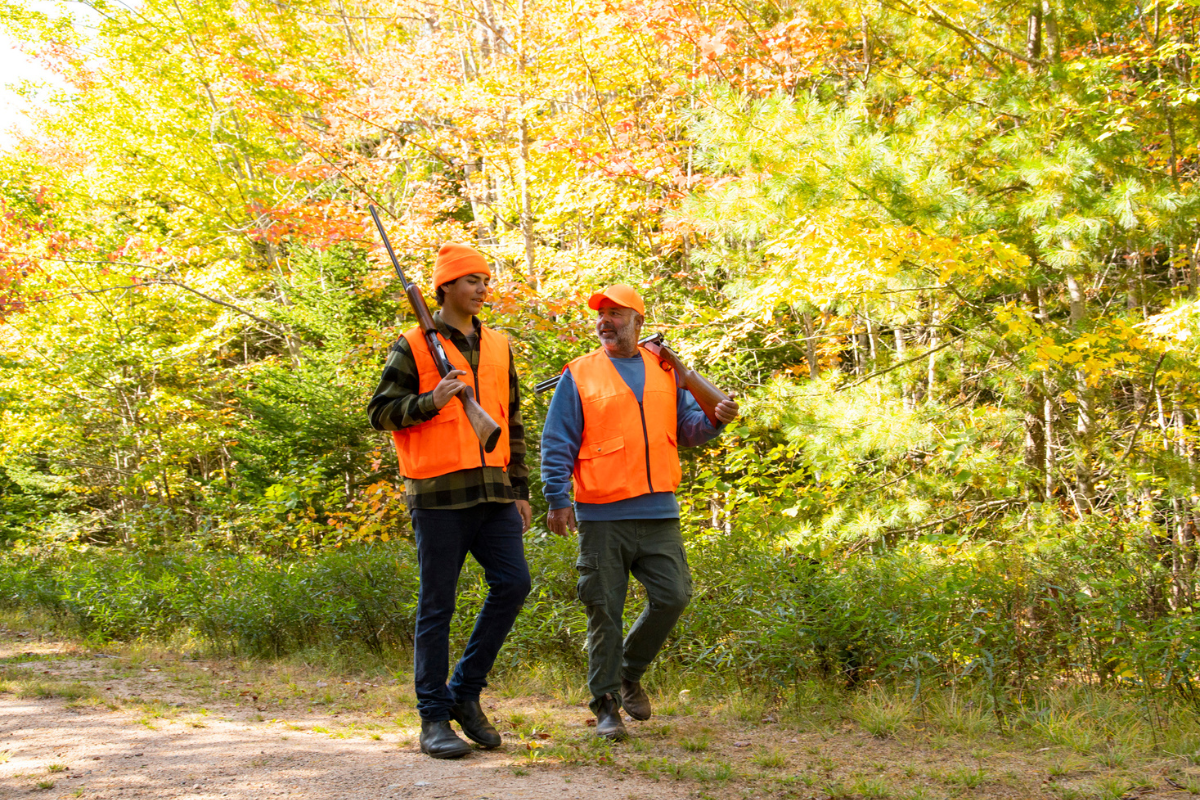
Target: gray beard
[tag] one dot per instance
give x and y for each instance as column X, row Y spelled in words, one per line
column 628, row 339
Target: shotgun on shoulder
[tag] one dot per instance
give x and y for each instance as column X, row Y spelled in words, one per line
column 484, row 426
column 708, row 397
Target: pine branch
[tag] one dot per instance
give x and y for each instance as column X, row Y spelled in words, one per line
column 991, row 507
column 169, row 282
column 906, row 362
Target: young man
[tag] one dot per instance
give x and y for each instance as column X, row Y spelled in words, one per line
column 462, row 500
column 615, row 424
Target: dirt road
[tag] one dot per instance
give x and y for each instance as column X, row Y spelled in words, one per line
column 79, row 724
column 108, row 754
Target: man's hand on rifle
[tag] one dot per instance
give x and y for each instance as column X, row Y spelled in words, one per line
column 448, row 387
column 727, row 410
column 561, row 520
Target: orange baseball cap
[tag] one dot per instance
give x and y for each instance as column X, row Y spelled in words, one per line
column 620, row 293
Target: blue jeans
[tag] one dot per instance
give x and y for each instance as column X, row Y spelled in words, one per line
column 491, row 532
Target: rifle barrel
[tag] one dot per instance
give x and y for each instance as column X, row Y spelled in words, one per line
column 387, row 244
column 550, row 383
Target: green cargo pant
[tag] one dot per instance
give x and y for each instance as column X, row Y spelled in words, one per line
column 652, row 549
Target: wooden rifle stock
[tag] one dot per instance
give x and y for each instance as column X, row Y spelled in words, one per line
column 486, row 429
column 707, row 396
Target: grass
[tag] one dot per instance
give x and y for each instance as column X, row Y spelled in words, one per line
column 965, row 717
column 966, row 777
column 714, row 771
column 882, row 714
column 771, row 759
column 24, row 683
column 1113, row 788
column 870, row 788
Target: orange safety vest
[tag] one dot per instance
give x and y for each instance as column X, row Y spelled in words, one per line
column 447, row 443
column 628, row 449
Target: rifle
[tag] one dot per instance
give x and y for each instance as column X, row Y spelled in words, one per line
column 484, row 426
column 707, row 396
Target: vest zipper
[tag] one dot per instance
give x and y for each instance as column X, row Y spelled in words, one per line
column 475, row 375
column 646, row 439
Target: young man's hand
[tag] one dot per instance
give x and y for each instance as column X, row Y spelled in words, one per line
column 448, row 387
column 561, row 520
column 526, row 514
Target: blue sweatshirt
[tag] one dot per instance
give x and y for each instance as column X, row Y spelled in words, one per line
column 562, row 437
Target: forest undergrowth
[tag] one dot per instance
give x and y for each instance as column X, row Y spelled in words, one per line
column 1009, row 624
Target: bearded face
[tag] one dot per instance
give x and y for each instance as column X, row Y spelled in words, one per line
column 618, row 329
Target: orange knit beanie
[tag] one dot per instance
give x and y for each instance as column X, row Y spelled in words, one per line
column 455, row 260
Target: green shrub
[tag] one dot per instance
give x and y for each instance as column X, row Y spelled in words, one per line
column 998, row 620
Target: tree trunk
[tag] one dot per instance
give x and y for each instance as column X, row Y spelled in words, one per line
column 488, row 44
column 901, row 354
column 1085, row 421
column 1033, row 33
column 523, row 124
column 872, row 337
column 810, row 346
column 933, row 342
column 1035, row 421
column 1050, row 28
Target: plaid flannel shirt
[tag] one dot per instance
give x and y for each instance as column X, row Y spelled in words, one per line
column 399, row 403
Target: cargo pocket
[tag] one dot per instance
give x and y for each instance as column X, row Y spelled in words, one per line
column 686, row 572
column 590, row 587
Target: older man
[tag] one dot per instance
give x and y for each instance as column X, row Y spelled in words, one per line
column 615, row 424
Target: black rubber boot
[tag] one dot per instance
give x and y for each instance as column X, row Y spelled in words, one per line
column 474, row 723
column 635, row 700
column 439, row 741
column 608, row 719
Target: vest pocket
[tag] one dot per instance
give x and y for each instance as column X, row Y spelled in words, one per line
column 602, row 463
column 448, row 413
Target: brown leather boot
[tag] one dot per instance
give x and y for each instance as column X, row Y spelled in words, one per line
column 635, row 700
column 608, row 719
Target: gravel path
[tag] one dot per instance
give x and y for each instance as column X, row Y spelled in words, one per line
column 75, row 722
column 108, row 754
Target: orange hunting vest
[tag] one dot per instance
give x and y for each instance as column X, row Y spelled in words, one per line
column 627, row 450
column 447, row 443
